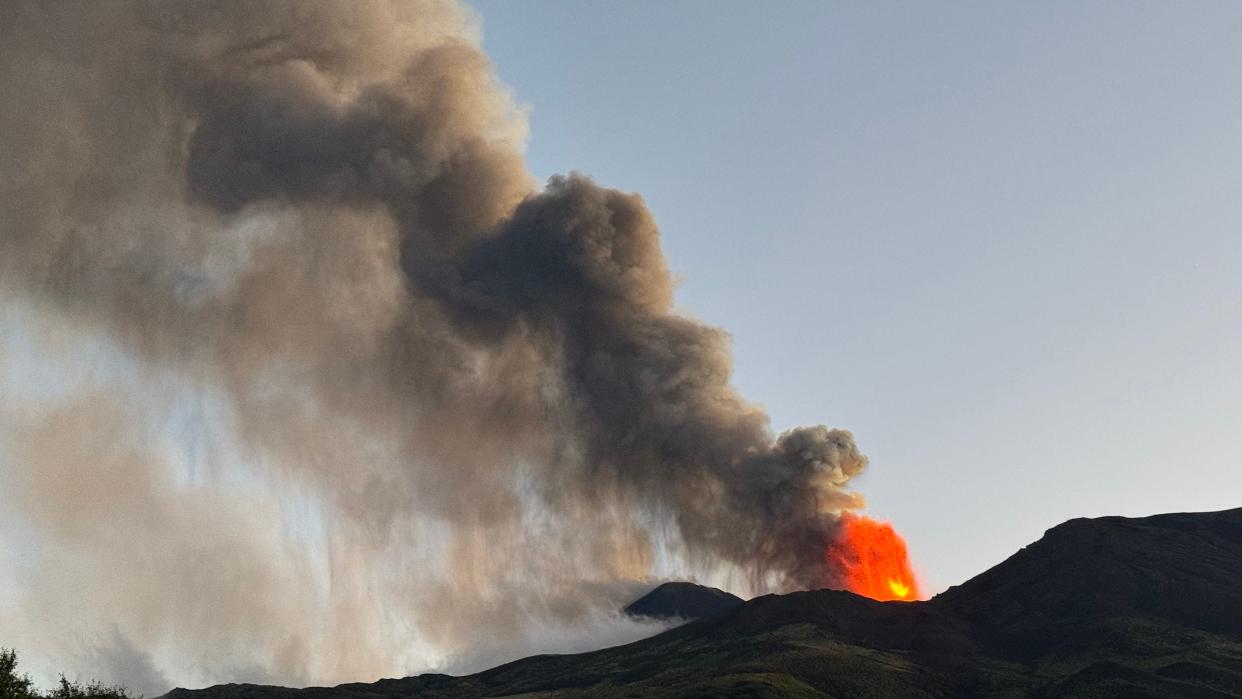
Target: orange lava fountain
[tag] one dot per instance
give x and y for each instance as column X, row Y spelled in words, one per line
column 872, row 558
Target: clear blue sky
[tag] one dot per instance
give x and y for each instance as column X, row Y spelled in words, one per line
column 999, row 241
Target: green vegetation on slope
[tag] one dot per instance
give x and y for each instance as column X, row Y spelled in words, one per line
column 1108, row 607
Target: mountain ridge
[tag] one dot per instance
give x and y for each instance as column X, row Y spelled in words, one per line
column 1108, row 606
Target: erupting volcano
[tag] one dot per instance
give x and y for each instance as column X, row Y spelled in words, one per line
column 872, row 560
column 315, row 219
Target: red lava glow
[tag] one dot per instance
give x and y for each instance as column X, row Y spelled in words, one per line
column 872, row 558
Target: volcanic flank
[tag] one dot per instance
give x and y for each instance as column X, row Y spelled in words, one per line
column 314, row 219
column 1108, row 607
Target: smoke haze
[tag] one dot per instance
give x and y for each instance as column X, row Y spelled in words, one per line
column 308, row 381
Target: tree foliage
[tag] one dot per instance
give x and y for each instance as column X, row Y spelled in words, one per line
column 19, row 686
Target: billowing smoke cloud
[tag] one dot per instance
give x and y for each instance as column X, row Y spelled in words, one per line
column 437, row 399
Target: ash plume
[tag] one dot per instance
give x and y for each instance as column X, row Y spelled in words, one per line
column 313, row 220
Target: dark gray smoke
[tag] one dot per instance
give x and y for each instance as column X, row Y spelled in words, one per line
column 317, row 214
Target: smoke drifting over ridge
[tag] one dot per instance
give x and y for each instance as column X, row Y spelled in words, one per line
column 314, row 220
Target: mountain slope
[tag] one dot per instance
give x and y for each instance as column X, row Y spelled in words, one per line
column 683, row 600
column 1148, row 607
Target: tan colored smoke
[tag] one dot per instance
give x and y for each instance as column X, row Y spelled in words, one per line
column 442, row 400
